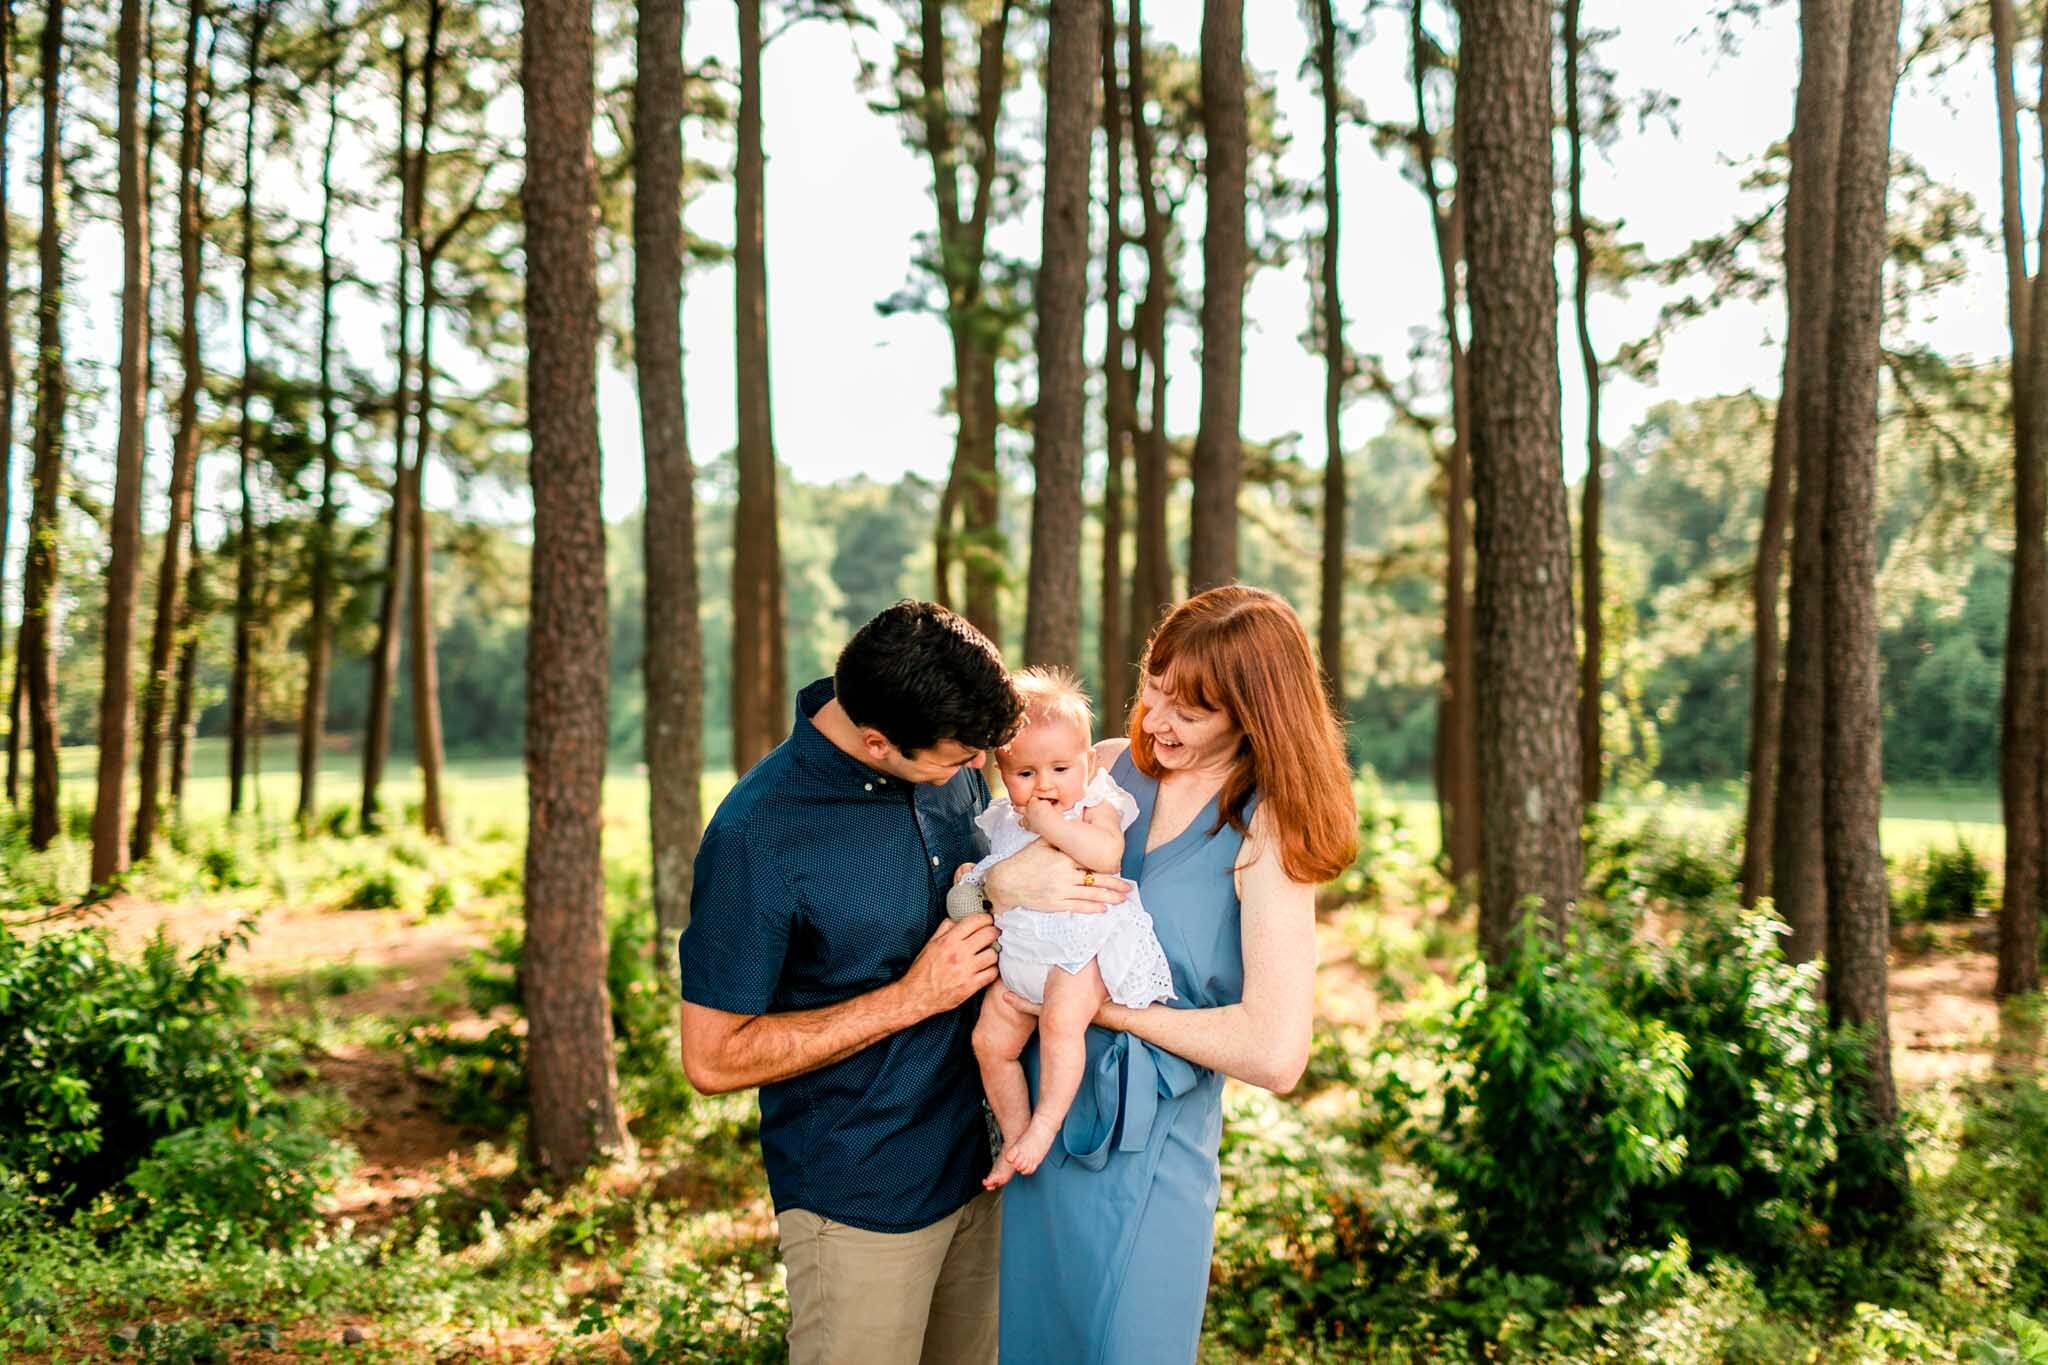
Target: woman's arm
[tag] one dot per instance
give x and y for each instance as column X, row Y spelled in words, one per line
column 1263, row 1040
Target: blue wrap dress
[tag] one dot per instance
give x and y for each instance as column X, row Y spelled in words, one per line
column 1106, row 1247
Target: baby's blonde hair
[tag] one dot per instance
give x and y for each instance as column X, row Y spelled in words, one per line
column 1053, row 694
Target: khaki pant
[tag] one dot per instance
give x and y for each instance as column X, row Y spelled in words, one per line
column 894, row 1298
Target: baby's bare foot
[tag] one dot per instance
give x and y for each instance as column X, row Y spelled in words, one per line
column 1026, row 1152
column 999, row 1175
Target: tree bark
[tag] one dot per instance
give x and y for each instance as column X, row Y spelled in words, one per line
column 1590, row 773
column 2024, row 741
column 1330, row 629
column 1113, row 603
column 7, row 385
column 760, row 682
column 39, row 582
column 966, row 531
column 1798, row 864
column 1219, row 450
column 1457, row 747
column 1052, row 621
column 1528, row 736
column 391, row 601
column 1152, row 590
column 117, row 659
column 573, row 1084
column 426, row 687
column 2023, row 750
column 185, row 444
column 239, row 711
column 1859, row 910
column 1767, row 684
column 183, row 727
column 313, row 716
column 674, row 664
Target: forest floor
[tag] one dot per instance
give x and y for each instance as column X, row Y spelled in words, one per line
column 351, row 946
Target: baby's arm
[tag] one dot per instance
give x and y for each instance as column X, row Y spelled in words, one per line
column 1095, row 841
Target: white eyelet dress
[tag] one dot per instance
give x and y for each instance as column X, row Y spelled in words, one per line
column 1120, row 940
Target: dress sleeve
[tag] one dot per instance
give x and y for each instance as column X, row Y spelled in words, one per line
column 742, row 913
column 993, row 817
column 1105, row 790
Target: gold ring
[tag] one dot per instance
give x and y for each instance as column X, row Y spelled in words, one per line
column 1087, row 879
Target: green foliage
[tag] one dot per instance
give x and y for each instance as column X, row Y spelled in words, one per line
column 378, row 890
column 1942, row 884
column 1631, row 860
column 728, row 1312
column 100, row 1056
column 226, row 1184
column 220, row 869
column 1559, row 1109
column 190, row 1341
column 1758, row 1118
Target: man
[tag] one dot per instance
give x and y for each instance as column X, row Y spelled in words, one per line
column 820, row 966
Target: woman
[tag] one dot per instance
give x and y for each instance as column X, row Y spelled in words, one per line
column 1245, row 806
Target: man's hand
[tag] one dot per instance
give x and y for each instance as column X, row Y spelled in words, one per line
column 1044, row 878
column 958, row 961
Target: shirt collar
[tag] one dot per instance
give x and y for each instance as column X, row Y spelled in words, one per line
column 827, row 760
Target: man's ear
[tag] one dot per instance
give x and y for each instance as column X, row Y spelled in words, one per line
column 875, row 743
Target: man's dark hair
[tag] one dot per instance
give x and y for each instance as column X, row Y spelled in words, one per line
column 920, row 674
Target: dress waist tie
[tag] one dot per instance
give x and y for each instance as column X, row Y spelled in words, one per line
column 1125, row 1081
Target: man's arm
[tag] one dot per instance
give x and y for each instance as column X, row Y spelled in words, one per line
column 724, row 1051
column 1042, row 877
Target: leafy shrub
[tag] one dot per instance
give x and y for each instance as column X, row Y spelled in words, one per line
column 378, row 890
column 477, row 1081
column 508, row 880
column 731, row 1312
column 228, row 1185
column 337, row 821
column 1631, row 861
column 220, row 869
column 440, row 898
column 1560, row 1108
column 100, row 1057
column 1758, row 1119
column 1387, row 855
column 1943, row 884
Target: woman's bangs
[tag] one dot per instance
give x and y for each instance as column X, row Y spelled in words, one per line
column 1190, row 674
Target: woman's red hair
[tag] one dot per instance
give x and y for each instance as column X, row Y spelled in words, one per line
column 1242, row 651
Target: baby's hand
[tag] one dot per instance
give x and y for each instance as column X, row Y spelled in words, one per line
column 1041, row 817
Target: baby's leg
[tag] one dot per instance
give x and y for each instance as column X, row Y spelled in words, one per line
column 999, row 1038
column 1071, row 1000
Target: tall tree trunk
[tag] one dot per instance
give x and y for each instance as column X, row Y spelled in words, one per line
column 1798, row 863
column 1219, row 450
column 117, row 671
column 2023, row 748
column 1112, row 607
column 1859, row 908
column 39, row 586
column 1590, row 777
column 391, row 600
column 313, row 717
column 1767, row 685
column 1152, row 593
column 184, row 727
column 1052, row 621
column 674, row 664
column 574, row 1116
column 1527, row 732
column 966, row 531
column 240, row 716
column 760, row 683
column 1457, row 744
column 170, row 608
column 1331, row 628
column 7, row 383
column 426, row 687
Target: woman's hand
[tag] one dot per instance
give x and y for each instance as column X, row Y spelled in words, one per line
column 1044, row 878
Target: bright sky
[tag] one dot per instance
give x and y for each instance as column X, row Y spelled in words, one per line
column 858, row 392
column 846, row 197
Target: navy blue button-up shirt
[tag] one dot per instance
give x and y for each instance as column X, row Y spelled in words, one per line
column 820, row 879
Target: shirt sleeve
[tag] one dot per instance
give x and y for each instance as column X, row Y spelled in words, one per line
column 741, row 917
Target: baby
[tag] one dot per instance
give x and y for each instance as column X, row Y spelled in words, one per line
column 1058, row 793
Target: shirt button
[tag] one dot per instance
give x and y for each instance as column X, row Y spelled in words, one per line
column 935, row 861
column 867, row 786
